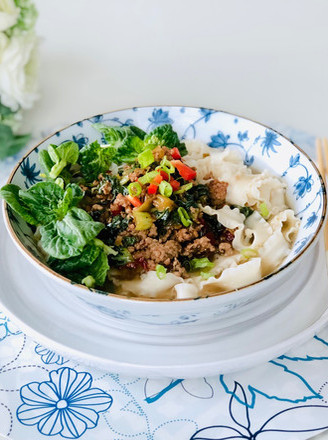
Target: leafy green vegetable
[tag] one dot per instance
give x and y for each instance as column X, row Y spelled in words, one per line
column 246, row 210
column 117, row 225
column 129, row 151
column 163, row 135
column 62, row 155
column 117, row 188
column 9, row 142
column 122, row 258
column 95, row 159
column 91, row 262
column 129, row 241
column 166, row 218
column 66, row 238
column 45, row 162
column 43, row 199
column 76, row 192
column 196, row 195
column 183, row 149
column 114, row 136
column 10, row 193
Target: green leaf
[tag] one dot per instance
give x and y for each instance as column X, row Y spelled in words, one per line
column 62, row 155
column 10, row 193
column 45, row 161
column 10, row 144
column 76, row 264
column 76, row 192
column 5, row 111
column 95, row 159
column 92, row 261
column 99, row 269
column 163, row 135
column 129, row 151
column 122, row 258
column 42, row 200
column 66, row 238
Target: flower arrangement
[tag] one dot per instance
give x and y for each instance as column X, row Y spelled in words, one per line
column 18, row 70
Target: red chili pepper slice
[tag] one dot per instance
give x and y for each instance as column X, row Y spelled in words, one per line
column 175, row 153
column 164, row 175
column 135, row 201
column 185, row 172
column 157, row 180
column 175, row 184
column 152, row 188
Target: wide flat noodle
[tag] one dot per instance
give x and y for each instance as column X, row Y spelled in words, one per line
column 150, row 285
column 234, row 277
column 287, row 223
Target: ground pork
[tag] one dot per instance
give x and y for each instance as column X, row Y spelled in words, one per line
column 217, row 192
column 158, row 153
column 226, row 249
column 198, row 247
column 158, row 253
column 187, row 234
column 136, row 173
column 120, row 203
column 178, row 269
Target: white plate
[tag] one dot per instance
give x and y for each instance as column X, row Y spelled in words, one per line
column 26, row 297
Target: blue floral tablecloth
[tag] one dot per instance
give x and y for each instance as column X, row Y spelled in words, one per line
column 44, row 394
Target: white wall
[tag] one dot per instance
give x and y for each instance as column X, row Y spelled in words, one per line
column 267, row 60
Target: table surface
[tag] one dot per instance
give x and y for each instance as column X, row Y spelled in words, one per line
column 265, row 61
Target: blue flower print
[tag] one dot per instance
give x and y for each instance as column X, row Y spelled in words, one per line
column 7, row 328
column 311, row 220
column 243, row 136
column 303, row 185
column 80, row 140
column 206, row 113
column 242, row 426
column 65, row 405
column 219, row 140
column 159, row 117
column 49, row 356
column 294, row 160
column 301, row 243
column 29, row 172
column 269, row 141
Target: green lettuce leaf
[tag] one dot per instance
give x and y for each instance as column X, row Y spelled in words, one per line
column 10, row 193
column 95, row 159
column 67, row 237
column 43, row 199
column 164, row 135
column 92, row 261
column 62, row 155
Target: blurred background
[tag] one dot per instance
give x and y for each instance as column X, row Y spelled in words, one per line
column 267, row 60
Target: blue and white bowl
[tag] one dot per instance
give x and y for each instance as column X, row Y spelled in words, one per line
column 262, row 148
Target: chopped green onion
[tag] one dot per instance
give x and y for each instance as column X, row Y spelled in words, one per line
column 184, row 188
column 148, row 177
column 134, row 189
column 60, row 182
column 184, row 217
column 264, row 211
column 201, row 263
column 146, row 158
column 207, row 275
column 165, row 189
column 166, row 166
column 89, row 281
column 249, row 253
column 160, row 272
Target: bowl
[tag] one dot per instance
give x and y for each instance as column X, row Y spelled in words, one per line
column 261, row 148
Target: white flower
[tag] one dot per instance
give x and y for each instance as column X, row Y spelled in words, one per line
column 18, row 71
column 8, row 14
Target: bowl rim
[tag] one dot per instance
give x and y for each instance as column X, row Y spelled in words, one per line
column 240, row 290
